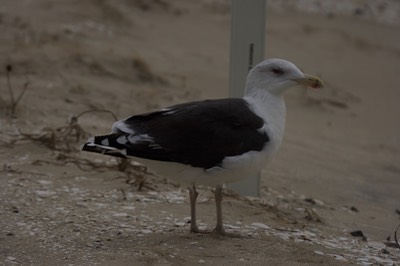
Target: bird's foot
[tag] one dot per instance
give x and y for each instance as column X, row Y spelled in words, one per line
column 216, row 232
column 196, row 230
column 221, row 231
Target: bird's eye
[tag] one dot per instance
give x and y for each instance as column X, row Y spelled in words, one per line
column 277, row 70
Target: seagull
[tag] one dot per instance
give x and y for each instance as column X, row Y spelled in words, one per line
column 210, row 142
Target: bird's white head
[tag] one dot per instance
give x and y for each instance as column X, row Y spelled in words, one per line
column 278, row 75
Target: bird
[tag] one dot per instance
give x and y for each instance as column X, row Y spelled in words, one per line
column 210, row 142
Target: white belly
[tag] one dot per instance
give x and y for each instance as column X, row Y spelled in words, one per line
column 233, row 169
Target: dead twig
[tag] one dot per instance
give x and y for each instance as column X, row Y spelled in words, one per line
column 61, row 138
column 14, row 100
column 66, row 137
column 286, row 217
column 311, row 215
column 97, row 111
column 134, row 173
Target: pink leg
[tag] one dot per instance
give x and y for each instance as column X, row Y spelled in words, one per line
column 218, row 203
column 193, row 196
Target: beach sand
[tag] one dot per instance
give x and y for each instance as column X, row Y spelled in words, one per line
column 338, row 170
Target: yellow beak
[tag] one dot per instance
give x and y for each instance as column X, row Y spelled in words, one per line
column 311, row 81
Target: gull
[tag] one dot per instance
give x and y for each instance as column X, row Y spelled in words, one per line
column 210, row 142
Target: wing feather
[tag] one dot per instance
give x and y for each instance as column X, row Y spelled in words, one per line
column 200, row 134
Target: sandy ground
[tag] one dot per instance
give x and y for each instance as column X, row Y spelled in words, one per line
column 338, row 170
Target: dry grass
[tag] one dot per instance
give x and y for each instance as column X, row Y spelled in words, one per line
column 66, row 139
column 133, row 173
column 14, row 99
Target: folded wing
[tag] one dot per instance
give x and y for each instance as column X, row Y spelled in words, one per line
column 200, row 134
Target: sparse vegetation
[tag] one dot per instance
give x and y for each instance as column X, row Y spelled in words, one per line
column 14, row 99
column 65, row 139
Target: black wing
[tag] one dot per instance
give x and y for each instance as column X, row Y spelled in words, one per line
column 200, row 134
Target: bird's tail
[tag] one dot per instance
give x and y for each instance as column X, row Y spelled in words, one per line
column 105, row 144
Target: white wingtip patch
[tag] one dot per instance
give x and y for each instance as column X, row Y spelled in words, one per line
column 139, row 138
column 90, row 140
column 121, row 126
column 167, row 111
column 122, row 140
column 105, row 142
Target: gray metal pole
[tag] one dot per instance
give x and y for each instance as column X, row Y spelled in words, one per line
column 247, row 50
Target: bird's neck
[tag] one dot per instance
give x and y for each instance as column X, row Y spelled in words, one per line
column 270, row 107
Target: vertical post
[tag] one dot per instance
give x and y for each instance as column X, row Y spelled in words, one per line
column 247, row 50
